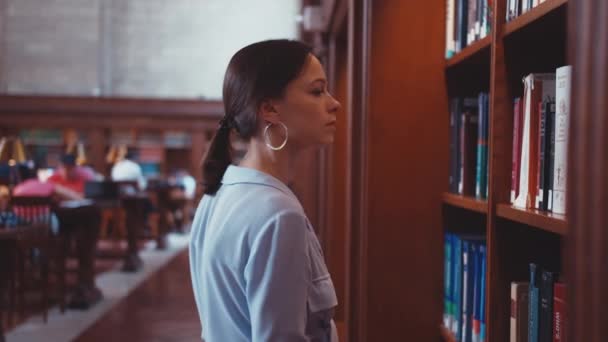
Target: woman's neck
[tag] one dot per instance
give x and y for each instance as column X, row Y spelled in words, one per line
column 278, row 164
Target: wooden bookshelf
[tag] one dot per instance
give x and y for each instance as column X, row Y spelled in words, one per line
column 465, row 202
column 554, row 223
column 533, row 42
column 533, row 16
column 468, row 52
column 446, row 334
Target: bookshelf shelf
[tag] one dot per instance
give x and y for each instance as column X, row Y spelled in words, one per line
column 465, row 202
column 470, row 51
column 550, row 222
column 446, row 334
column 532, row 16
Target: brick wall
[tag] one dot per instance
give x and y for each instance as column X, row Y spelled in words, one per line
column 141, row 48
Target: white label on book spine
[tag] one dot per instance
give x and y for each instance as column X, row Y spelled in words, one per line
column 562, row 117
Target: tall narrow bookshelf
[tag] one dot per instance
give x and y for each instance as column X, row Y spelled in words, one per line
column 534, row 42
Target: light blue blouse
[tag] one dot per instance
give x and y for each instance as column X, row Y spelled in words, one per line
column 257, row 268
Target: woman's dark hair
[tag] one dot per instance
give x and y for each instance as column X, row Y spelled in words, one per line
column 256, row 73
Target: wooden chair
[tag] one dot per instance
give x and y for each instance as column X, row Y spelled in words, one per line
column 37, row 212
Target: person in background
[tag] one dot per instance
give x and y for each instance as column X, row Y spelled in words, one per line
column 125, row 169
column 69, row 178
column 8, row 219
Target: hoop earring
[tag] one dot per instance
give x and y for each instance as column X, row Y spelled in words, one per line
column 267, row 138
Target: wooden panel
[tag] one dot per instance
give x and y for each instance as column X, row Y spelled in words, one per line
column 338, row 202
column 359, row 35
column 469, row 203
column 588, row 166
column 408, row 163
column 469, row 51
column 550, row 222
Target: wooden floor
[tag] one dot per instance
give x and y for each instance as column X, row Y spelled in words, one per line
column 161, row 309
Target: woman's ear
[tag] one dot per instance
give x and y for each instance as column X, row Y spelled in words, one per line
column 269, row 113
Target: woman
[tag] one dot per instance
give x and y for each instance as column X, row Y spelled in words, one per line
column 257, row 268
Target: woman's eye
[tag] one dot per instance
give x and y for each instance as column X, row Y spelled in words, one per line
column 318, row 92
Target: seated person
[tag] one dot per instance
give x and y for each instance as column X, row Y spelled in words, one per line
column 127, row 170
column 8, row 219
column 69, row 178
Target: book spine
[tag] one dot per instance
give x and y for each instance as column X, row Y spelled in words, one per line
column 519, row 312
column 562, row 113
column 466, row 292
column 457, row 294
column 449, row 27
column 533, row 305
column 545, row 318
column 454, row 146
column 521, row 200
column 447, row 305
column 552, row 158
column 541, row 155
column 548, row 163
column 482, row 296
column 513, row 318
column 475, row 323
column 480, row 143
column 559, row 312
column 486, row 138
column 516, row 149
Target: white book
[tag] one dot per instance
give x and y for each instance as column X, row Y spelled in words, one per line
column 562, row 122
column 521, row 199
column 449, row 29
column 519, row 308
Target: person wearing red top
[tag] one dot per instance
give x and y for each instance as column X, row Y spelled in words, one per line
column 69, row 179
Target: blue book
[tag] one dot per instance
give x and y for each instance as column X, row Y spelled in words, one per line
column 476, row 291
column 447, row 309
column 467, row 291
column 533, row 304
column 457, row 288
column 482, row 296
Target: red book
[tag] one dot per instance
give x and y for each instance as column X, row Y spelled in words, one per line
column 559, row 312
column 517, row 138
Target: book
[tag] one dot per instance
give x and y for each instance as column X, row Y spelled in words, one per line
column 562, row 118
column 533, row 302
column 457, row 288
column 547, row 194
column 519, row 311
column 447, row 310
column 468, row 146
column 516, row 157
column 545, row 316
column 449, row 28
column 535, row 86
column 559, row 312
column 482, row 303
column 455, row 107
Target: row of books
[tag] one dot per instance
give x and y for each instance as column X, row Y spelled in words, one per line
column 464, row 287
column 540, row 141
column 469, row 134
column 538, row 308
column 466, row 22
column 515, row 8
